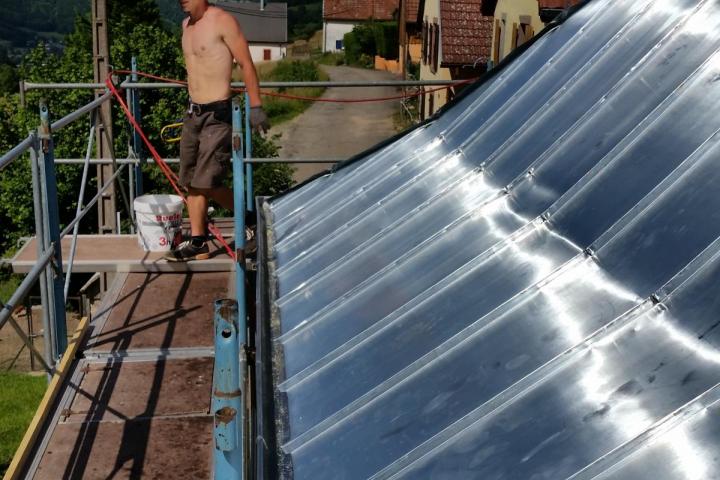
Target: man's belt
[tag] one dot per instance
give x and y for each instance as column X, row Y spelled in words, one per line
column 200, row 108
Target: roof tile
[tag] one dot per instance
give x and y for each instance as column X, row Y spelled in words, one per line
column 466, row 34
column 359, row 9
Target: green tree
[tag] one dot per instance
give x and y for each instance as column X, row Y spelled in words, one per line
column 137, row 30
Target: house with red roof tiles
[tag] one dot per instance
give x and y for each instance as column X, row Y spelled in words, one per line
column 457, row 44
column 463, row 38
column 341, row 16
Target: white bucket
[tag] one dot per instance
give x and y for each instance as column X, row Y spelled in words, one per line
column 159, row 221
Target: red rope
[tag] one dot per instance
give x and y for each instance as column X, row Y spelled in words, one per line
column 164, row 167
column 312, row 99
column 173, row 178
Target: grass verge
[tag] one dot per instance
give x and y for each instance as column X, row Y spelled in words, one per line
column 281, row 110
column 8, row 285
column 19, row 397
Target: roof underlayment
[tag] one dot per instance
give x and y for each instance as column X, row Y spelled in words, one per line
column 525, row 287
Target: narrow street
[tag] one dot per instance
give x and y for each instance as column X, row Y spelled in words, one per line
column 339, row 130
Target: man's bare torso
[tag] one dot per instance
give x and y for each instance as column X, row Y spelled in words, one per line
column 207, row 58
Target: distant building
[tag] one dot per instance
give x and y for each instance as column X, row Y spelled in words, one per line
column 411, row 44
column 516, row 22
column 341, row 16
column 265, row 30
column 456, row 44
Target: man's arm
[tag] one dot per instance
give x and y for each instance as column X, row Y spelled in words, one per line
column 238, row 46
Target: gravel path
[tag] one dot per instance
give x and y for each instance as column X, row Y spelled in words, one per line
column 339, row 130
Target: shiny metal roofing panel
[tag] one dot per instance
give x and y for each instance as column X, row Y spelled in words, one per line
column 521, row 288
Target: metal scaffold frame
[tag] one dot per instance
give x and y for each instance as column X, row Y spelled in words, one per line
column 54, row 282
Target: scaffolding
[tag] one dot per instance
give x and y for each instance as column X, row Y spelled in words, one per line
column 47, row 268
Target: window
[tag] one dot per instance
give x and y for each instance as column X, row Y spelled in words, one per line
column 523, row 33
column 338, row 44
column 267, row 54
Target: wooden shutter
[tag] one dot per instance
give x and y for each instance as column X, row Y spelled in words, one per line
column 496, row 46
column 514, row 37
column 436, row 47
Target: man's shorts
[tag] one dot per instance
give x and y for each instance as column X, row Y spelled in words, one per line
column 205, row 146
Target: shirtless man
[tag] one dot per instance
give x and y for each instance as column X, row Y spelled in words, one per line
column 211, row 39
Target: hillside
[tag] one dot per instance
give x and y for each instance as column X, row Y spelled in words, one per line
column 24, row 22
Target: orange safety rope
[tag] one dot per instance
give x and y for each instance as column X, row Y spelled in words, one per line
column 164, row 167
column 313, row 99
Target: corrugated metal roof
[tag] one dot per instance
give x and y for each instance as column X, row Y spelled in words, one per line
column 526, row 287
column 466, row 34
column 360, row 9
column 266, row 26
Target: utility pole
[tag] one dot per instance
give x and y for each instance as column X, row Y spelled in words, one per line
column 103, row 124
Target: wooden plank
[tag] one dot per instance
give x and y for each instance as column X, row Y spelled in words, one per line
column 120, row 253
column 31, row 435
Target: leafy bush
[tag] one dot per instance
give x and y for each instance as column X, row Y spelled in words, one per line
column 295, row 71
column 331, row 58
column 137, row 30
column 281, row 109
column 386, row 40
column 371, row 39
column 269, row 178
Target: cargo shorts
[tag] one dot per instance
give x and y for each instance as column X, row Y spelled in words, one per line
column 205, row 146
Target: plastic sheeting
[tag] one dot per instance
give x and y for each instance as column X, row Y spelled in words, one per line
column 525, row 287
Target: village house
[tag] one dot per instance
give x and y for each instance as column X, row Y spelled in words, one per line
column 463, row 38
column 457, row 41
column 341, row 16
column 264, row 26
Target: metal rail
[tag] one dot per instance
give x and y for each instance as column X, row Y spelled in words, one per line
column 16, row 151
column 27, row 86
column 135, row 161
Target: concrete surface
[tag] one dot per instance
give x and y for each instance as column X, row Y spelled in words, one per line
column 339, row 130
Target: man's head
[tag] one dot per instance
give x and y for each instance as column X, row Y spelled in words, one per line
column 193, row 6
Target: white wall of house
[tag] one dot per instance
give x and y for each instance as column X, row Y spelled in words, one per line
column 511, row 15
column 258, row 52
column 334, row 31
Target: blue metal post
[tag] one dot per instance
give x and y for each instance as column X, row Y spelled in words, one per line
column 40, row 240
column 248, row 154
column 239, row 198
column 227, row 394
column 136, row 140
column 55, row 292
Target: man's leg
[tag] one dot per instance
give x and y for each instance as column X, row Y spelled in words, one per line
column 197, row 204
column 196, row 247
column 223, row 196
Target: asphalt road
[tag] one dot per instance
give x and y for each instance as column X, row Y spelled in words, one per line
column 339, row 130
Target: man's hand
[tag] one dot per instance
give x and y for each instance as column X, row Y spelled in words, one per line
column 259, row 120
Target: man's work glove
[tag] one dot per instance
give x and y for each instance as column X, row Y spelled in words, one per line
column 258, row 120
